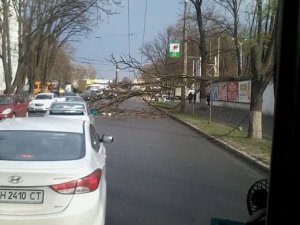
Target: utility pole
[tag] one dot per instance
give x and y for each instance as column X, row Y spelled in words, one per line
column 218, row 59
column 185, row 47
column 117, row 77
column 241, row 54
column 240, row 57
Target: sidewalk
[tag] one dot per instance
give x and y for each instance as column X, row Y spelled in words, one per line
column 230, row 116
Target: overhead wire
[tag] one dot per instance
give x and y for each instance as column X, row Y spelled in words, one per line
column 128, row 23
column 129, row 39
column 144, row 30
column 116, row 35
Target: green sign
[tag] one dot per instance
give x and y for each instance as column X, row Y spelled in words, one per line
column 174, row 50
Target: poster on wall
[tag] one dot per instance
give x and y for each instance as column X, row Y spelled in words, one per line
column 214, row 92
column 222, row 91
column 232, row 91
column 245, row 91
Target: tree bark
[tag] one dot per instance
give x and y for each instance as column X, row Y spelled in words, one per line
column 6, row 54
column 202, row 49
column 262, row 68
column 255, row 117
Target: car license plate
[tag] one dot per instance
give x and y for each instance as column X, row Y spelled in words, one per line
column 21, row 196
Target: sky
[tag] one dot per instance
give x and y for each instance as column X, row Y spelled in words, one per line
column 111, row 36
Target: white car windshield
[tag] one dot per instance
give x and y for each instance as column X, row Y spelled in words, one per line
column 6, row 100
column 44, row 97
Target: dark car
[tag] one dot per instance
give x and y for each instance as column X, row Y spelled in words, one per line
column 13, row 105
column 88, row 94
column 69, row 93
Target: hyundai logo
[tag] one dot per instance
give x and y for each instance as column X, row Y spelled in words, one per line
column 15, row 179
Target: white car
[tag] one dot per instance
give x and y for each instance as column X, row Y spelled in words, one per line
column 71, row 109
column 52, row 171
column 41, row 102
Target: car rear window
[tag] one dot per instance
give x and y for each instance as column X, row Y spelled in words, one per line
column 74, row 99
column 41, row 146
column 67, row 109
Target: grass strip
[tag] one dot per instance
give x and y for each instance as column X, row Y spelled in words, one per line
column 259, row 149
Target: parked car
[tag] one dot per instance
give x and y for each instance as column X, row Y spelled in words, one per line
column 88, row 94
column 52, row 171
column 69, row 93
column 41, row 102
column 13, row 105
column 74, row 98
column 75, row 110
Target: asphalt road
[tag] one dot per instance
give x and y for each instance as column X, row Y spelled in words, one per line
column 161, row 172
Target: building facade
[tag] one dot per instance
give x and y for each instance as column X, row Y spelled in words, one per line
column 13, row 33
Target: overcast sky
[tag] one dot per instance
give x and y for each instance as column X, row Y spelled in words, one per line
column 111, row 37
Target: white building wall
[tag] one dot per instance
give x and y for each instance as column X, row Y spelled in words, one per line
column 269, row 100
column 13, row 31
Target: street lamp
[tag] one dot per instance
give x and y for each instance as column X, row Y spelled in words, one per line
column 241, row 52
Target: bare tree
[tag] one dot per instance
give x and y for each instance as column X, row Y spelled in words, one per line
column 233, row 7
column 62, row 66
column 44, row 28
column 157, row 70
column 202, row 42
column 156, row 54
column 262, row 61
column 6, row 41
column 202, row 46
column 81, row 72
column 261, row 43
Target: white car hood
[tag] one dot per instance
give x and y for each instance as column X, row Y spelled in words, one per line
column 43, row 101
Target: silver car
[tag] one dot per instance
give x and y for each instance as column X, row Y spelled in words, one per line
column 74, row 99
column 52, row 171
column 72, row 109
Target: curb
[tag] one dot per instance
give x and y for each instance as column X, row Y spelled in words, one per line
column 234, row 151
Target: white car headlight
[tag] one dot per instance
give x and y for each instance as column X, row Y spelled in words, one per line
column 7, row 111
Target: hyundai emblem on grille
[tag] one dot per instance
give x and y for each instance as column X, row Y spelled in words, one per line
column 15, row 179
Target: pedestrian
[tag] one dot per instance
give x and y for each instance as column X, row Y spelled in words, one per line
column 208, row 99
column 156, row 97
column 195, row 97
column 169, row 96
column 172, row 97
column 190, row 97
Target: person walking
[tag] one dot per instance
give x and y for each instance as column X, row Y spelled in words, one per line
column 208, row 99
column 172, row 97
column 190, row 97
